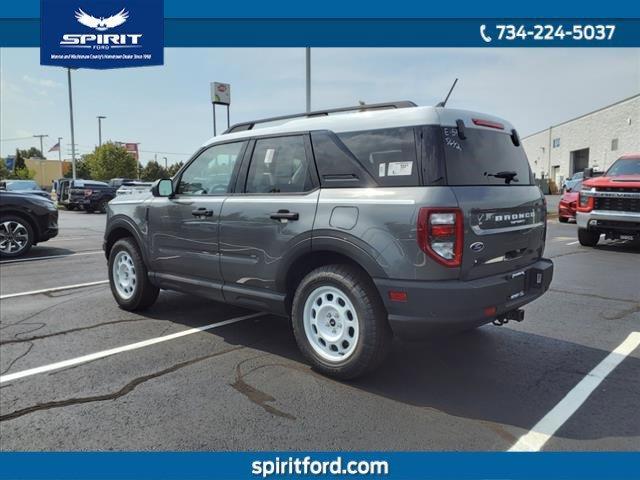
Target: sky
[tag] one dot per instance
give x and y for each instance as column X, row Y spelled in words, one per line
column 167, row 108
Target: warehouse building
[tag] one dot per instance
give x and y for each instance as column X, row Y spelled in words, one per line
column 595, row 139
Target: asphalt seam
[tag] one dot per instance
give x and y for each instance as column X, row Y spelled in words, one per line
column 128, row 388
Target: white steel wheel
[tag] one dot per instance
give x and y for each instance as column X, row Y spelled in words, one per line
column 124, row 275
column 331, row 323
column 14, row 237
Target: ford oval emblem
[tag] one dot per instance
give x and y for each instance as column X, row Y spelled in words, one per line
column 477, row 246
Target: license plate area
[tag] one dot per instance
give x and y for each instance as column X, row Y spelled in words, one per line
column 517, row 285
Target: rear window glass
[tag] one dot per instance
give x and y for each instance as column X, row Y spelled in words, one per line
column 389, row 155
column 484, row 158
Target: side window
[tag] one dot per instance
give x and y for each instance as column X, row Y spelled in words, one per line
column 279, row 165
column 388, row 154
column 210, row 173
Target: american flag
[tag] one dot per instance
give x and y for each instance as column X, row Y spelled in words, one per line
column 55, row 148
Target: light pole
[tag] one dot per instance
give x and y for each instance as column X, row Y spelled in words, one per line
column 60, row 157
column 41, row 147
column 73, row 138
column 100, row 118
column 165, row 163
column 308, row 76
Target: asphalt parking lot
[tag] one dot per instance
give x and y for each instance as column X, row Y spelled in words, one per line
column 129, row 383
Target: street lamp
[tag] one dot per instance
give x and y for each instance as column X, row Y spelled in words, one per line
column 73, row 138
column 100, row 118
column 165, row 163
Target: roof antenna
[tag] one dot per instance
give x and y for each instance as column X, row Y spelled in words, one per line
column 442, row 104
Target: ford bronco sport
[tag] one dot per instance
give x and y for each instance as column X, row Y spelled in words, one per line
column 357, row 223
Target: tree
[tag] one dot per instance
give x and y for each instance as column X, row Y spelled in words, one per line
column 4, row 171
column 20, row 170
column 111, row 161
column 82, row 170
column 173, row 168
column 153, row 171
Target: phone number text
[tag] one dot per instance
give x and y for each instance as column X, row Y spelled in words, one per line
column 511, row 32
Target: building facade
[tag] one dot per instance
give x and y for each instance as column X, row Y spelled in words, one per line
column 46, row 171
column 595, row 139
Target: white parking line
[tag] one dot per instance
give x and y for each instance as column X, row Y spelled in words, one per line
column 125, row 348
column 535, row 439
column 573, row 243
column 48, row 257
column 54, row 289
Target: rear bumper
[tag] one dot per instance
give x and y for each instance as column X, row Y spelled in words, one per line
column 448, row 306
column 609, row 220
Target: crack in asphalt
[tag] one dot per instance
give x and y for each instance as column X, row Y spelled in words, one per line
column 33, row 315
column 592, row 295
column 128, row 388
column 254, row 395
column 623, row 313
column 22, row 355
column 71, row 330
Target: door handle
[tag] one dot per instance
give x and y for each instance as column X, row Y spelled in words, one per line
column 202, row 212
column 285, row 215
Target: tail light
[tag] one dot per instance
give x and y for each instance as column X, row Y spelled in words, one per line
column 487, row 123
column 440, row 234
column 585, row 202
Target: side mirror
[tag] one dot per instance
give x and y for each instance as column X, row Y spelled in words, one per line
column 588, row 172
column 162, row 188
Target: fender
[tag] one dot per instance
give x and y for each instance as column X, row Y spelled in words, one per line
column 330, row 241
column 124, row 222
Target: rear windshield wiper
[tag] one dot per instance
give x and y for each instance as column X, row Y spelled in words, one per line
column 508, row 176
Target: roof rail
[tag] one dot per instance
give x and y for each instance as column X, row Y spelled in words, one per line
column 238, row 127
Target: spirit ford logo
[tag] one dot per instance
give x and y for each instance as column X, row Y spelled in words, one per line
column 101, row 24
column 101, row 39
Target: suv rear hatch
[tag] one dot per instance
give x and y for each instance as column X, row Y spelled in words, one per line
column 503, row 210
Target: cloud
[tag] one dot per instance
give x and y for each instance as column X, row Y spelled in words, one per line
column 42, row 83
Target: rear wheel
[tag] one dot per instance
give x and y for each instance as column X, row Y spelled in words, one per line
column 588, row 238
column 340, row 322
column 128, row 278
column 16, row 236
column 563, row 219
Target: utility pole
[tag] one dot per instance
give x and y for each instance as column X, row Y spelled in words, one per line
column 41, row 147
column 166, row 166
column 60, row 157
column 73, row 139
column 100, row 118
column 308, row 77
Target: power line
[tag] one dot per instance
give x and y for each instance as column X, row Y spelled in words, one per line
column 15, row 139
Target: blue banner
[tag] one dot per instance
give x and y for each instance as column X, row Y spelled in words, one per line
column 101, row 34
column 394, row 465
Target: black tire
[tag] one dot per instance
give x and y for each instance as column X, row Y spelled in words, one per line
column 588, row 238
column 144, row 292
column 102, row 206
column 374, row 338
column 563, row 219
column 12, row 222
column 71, row 208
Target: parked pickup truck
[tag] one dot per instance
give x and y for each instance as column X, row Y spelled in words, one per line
column 91, row 195
column 610, row 204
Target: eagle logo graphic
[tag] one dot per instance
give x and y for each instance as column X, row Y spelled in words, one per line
column 101, row 24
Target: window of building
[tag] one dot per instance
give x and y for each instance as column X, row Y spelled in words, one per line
column 556, row 142
column 614, row 144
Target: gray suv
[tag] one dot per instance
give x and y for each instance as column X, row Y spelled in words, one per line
column 357, row 223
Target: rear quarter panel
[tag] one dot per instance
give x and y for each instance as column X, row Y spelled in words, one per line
column 383, row 223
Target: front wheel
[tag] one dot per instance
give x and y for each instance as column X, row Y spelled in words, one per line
column 339, row 322
column 128, row 278
column 16, row 236
column 588, row 238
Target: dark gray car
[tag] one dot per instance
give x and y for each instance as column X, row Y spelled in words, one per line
column 394, row 219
